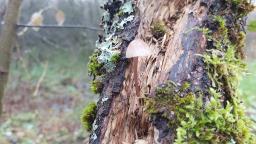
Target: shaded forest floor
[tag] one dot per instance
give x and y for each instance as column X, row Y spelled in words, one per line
column 50, row 115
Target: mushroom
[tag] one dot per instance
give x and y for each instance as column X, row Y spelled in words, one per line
column 137, row 48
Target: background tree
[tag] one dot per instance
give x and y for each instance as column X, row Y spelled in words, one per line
column 186, row 90
column 2, row 10
column 50, row 97
column 7, row 39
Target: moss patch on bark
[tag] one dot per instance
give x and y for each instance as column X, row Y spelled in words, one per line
column 158, row 29
column 220, row 118
column 88, row 116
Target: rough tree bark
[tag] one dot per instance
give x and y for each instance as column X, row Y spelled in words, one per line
column 122, row 119
column 7, row 38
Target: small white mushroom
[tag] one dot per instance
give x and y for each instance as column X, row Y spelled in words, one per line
column 138, row 48
column 140, row 141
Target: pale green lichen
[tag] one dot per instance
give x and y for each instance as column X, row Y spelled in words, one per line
column 109, row 45
column 125, row 21
column 127, row 8
column 108, row 52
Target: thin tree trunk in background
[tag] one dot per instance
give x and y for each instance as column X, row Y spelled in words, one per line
column 2, row 9
column 7, row 38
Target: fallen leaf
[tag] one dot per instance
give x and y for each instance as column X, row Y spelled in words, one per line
column 36, row 20
column 60, row 17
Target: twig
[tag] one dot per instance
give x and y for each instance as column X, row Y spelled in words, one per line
column 41, row 79
column 56, row 26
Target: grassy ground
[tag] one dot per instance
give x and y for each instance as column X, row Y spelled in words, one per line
column 49, row 114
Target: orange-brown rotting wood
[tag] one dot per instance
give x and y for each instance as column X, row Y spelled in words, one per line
column 172, row 58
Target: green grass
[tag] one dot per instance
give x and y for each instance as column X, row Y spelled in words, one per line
column 63, row 65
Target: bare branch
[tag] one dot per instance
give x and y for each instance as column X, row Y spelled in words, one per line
column 56, row 26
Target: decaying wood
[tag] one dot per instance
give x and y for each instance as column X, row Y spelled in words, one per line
column 7, row 37
column 121, row 119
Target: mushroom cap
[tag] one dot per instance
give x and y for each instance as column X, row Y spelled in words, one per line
column 138, row 48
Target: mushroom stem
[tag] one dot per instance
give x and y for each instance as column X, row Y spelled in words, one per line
column 136, row 78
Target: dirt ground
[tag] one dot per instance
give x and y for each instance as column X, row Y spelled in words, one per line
column 51, row 117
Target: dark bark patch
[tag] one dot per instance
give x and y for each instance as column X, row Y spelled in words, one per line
column 113, row 84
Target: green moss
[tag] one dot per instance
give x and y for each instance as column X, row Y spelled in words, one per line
column 94, row 66
column 196, row 123
column 96, row 86
column 236, row 2
column 222, row 124
column 224, row 67
column 240, row 45
column 241, row 7
column 223, row 61
column 158, row 29
column 221, row 119
column 95, row 69
column 168, row 99
column 115, row 58
column 221, row 21
column 185, row 86
column 88, row 116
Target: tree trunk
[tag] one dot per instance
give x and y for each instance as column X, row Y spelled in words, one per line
column 188, row 35
column 2, row 9
column 7, row 37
